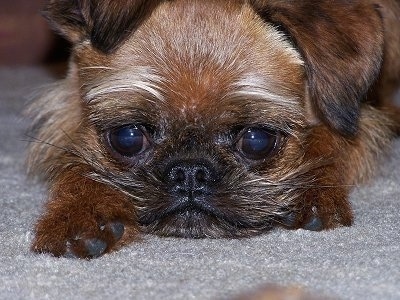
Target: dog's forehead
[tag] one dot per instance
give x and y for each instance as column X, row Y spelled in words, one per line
column 191, row 54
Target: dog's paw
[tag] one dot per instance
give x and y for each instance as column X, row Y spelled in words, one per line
column 87, row 246
column 314, row 220
column 76, row 241
column 79, row 240
column 292, row 221
column 84, row 219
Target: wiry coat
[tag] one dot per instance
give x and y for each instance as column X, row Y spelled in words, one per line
column 322, row 76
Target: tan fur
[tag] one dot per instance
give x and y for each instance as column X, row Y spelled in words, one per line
column 193, row 75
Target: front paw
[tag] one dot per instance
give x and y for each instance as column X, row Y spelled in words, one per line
column 92, row 246
column 84, row 219
column 318, row 218
column 310, row 222
column 85, row 239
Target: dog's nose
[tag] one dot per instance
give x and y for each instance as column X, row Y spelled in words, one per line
column 190, row 179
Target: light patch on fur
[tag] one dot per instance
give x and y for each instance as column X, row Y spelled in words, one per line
column 274, row 73
column 278, row 39
column 253, row 85
column 141, row 80
column 56, row 115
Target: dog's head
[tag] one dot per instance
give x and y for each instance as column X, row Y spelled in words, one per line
column 202, row 110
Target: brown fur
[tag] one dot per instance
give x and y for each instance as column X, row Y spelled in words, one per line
column 193, row 75
column 78, row 198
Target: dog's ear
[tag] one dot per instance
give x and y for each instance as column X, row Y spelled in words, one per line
column 105, row 23
column 342, row 45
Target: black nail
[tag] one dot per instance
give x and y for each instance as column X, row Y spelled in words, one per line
column 95, row 247
column 315, row 224
column 117, row 230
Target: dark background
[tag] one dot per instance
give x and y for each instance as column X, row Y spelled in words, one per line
column 26, row 37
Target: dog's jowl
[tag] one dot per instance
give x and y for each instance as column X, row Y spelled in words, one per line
column 212, row 118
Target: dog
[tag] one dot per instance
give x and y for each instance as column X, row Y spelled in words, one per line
column 211, row 118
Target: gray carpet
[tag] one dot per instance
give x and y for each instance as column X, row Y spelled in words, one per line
column 361, row 262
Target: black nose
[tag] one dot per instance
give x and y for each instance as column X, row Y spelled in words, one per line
column 191, row 179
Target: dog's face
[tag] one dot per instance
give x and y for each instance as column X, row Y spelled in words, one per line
column 203, row 114
column 199, row 123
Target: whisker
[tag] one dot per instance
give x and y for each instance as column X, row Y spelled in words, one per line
column 98, row 67
column 39, row 141
column 300, row 185
column 67, row 150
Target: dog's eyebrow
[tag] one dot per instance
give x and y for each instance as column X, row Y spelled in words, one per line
column 254, row 86
column 142, row 81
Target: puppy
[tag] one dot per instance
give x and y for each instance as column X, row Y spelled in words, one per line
column 211, row 118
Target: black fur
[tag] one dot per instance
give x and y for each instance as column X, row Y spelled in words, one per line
column 106, row 23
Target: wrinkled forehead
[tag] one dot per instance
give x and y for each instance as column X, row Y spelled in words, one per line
column 189, row 53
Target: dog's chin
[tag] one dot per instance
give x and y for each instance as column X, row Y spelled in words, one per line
column 197, row 222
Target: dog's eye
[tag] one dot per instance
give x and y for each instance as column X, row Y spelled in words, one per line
column 128, row 140
column 257, row 143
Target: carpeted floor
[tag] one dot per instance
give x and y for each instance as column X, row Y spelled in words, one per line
column 361, row 262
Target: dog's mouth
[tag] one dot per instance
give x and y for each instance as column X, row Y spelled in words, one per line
column 191, row 208
column 181, row 218
column 199, row 219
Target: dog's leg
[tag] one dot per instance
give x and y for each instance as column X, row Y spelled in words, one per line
column 325, row 203
column 345, row 162
column 84, row 219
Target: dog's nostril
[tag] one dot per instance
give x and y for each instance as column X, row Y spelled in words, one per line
column 201, row 176
column 189, row 176
column 181, row 191
column 180, row 176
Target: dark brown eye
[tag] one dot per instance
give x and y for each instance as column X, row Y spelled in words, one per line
column 128, row 140
column 257, row 143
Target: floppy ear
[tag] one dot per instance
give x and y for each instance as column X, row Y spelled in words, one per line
column 342, row 45
column 106, row 23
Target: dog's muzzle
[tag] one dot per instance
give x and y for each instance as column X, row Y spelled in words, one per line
column 190, row 184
